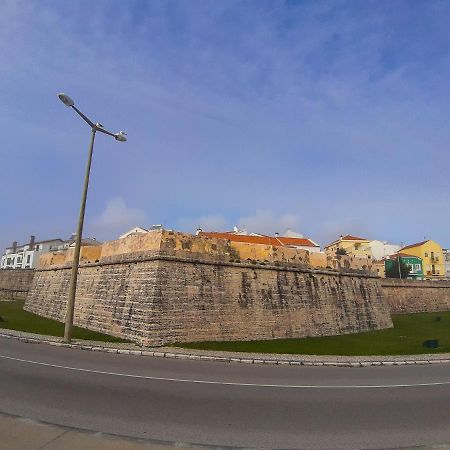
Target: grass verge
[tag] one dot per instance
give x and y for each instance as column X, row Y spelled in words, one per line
column 14, row 317
column 406, row 338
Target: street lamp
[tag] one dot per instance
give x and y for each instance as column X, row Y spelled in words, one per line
column 120, row 136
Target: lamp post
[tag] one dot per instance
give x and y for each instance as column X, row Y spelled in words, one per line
column 120, row 136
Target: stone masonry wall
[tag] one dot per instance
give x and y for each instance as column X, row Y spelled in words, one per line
column 15, row 283
column 162, row 297
column 410, row 296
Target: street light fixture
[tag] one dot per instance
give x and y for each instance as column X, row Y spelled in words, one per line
column 120, row 136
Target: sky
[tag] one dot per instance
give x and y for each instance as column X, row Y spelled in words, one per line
column 325, row 117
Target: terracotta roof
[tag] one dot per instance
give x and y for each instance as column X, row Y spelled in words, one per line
column 349, row 237
column 279, row 241
column 416, row 245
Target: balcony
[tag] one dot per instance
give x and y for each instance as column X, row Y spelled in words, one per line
column 434, row 259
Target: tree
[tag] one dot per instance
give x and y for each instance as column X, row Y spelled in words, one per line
column 392, row 270
column 341, row 251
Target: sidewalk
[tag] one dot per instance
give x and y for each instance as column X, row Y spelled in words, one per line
column 17, row 433
column 238, row 357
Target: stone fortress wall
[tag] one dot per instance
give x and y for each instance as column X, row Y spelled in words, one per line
column 15, row 283
column 414, row 296
column 164, row 287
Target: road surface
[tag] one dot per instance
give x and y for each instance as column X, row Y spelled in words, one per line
column 226, row 404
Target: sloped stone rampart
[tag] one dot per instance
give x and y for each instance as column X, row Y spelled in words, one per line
column 162, row 297
column 414, row 296
column 15, row 283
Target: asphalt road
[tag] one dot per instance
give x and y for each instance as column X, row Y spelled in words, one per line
column 226, row 404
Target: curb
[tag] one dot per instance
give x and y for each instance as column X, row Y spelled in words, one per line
column 245, row 359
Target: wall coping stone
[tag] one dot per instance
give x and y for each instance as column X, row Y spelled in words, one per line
column 235, row 357
column 254, row 264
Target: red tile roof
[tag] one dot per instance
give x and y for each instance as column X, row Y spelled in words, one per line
column 279, row 241
column 415, row 245
column 349, row 237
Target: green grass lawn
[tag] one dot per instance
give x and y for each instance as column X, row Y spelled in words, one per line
column 406, row 338
column 13, row 317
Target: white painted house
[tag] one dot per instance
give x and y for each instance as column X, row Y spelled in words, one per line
column 382, row 249
column 446, row 252
column 26, row 256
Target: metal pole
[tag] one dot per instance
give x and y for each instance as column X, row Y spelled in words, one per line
column 399, row 268
column 76, row 256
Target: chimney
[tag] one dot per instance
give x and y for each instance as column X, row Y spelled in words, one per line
column 199, row 230
column 32, row 239
column 14, row 247
column 277, row 234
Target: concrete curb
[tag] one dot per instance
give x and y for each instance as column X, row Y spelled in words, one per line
column 243, row 358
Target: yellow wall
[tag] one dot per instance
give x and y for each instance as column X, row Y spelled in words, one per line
column 88, row 253
column 424, row 251
column 169, row 241
column 379, row 268
column 353, row 248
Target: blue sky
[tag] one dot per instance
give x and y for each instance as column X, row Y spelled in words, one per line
column 324, row 117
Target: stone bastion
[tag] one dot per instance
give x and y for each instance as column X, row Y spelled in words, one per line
column 164, row 287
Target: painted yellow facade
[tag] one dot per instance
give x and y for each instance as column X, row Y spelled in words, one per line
column 378, row 267
column 432, row 258
column 354, row 246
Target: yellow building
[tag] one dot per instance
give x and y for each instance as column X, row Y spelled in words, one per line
column 379, row 268
column 353, row 246
column 433, row 264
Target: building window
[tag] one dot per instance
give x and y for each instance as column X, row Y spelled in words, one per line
column 28, row 259
column 426, row 254
column 417, row 267
column 411, row 267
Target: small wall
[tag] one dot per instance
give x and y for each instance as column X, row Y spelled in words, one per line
column 88, row 254
column 411, row 296
column 15, row 283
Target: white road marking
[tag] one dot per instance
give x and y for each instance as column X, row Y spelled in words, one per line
column 228, row 383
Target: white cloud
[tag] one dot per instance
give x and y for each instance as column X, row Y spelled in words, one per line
column 117, row 218
column 213, row 222
column 267, row 221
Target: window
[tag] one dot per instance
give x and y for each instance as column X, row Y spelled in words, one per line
column 417, row 267
column 28, row 259
column 411, row 267
column 426, row 254
column 37, row 248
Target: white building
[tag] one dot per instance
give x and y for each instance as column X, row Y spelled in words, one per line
column 26, row 256
column 140, row 230
column 446, row 252
column 382, row 249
